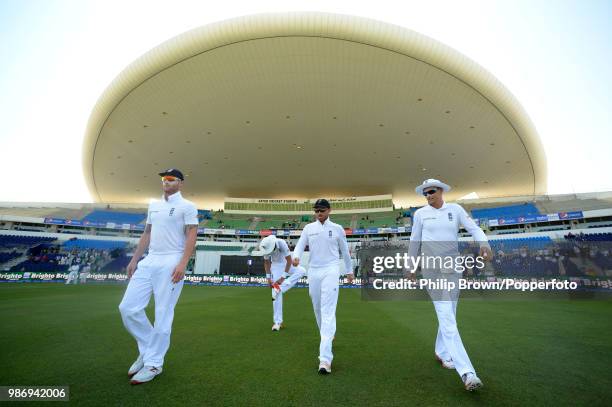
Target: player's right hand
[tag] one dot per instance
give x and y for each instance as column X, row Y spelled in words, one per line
column 270, row 282
column 130, row 269
column 295, row 262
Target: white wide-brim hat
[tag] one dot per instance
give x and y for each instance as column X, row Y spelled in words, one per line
column 266, row 246
column 432, row 183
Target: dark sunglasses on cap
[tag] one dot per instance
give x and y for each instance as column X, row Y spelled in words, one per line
column 320, row 210
column 430, row 192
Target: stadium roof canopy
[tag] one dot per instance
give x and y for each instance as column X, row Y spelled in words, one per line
column 301, row 105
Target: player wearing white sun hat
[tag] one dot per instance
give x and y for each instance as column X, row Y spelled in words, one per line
column 434, row 232
column 282, row 276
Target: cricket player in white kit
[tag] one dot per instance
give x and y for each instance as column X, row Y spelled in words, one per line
column 73, row 275
column 170, row 235
column 281, row 274
column 436, row 226
column 327, row 243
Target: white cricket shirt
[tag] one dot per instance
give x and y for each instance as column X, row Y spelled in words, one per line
column 327, row 242
column 441, row 225
column 168, row 220
column 281, row 251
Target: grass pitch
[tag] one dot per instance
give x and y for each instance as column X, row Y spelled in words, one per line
column 223, row 353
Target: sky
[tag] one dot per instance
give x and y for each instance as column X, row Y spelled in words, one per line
column 57, row 57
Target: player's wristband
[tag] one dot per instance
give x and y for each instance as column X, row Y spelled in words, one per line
column 268, row 275
column 285, row 274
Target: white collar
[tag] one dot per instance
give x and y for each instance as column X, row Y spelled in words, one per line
column 442, row 207
column 175, row 196
column 326, row 223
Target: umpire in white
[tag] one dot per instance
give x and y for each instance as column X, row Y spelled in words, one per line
column 327, row 243
column 170, row 235
column 434, row 232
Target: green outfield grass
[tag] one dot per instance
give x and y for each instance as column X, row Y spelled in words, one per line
column 223, row 353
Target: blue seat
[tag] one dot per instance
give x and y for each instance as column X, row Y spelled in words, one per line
column 102, row 216
column 510, row 211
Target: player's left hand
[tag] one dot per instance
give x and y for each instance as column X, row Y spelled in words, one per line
column 350, row 277
column 486, row 253
column 178, row 273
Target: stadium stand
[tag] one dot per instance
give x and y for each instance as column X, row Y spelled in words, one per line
column 7, row 241
column 380, row 219
column 105, row 216
column 277, row 222
column 223, row 248
column 535, row 243
column 221, row 220
column 8, row 256
column 94, row 244
column 507, row 211
column 590, row 237
column 63, row 213
column 116, row 265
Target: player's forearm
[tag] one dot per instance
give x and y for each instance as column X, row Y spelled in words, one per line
column 476, row 232
column 299, row 247
column 143, row 245
column 190, row 242
column 288, row 265
column 346, row 256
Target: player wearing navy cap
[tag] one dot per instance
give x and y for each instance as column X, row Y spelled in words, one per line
column 327, row 244
column 170, row 235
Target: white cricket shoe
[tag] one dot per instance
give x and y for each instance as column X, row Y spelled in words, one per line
column 471, row 381
column 146, row 374
column 277, row 327
column 276, row 290
column 324, row 368
column 448, row 364
column 136, row 366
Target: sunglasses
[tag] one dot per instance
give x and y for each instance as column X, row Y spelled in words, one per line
column 320, row 210
column 430, row 192
column 170, row 178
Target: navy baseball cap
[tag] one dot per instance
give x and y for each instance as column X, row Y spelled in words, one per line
column 322, row 203
column 173, row 172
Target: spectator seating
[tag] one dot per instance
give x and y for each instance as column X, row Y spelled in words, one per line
column 8, row 256
column 510, row 211
column 533, row 243
column 117, row 265
column 8, row 241
column 116, row 217
column 47, row 267
column 94, row 244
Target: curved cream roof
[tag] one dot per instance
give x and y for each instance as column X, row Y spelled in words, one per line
column 308, row 104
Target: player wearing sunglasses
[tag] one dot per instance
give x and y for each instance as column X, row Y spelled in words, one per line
column 434, row 232
column 327, row 244
column 170, row 235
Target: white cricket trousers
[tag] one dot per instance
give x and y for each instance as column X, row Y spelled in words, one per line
column 72, row 277
column 295, row 273
column 448, row 341
column 153, row 275
column 323, row 285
